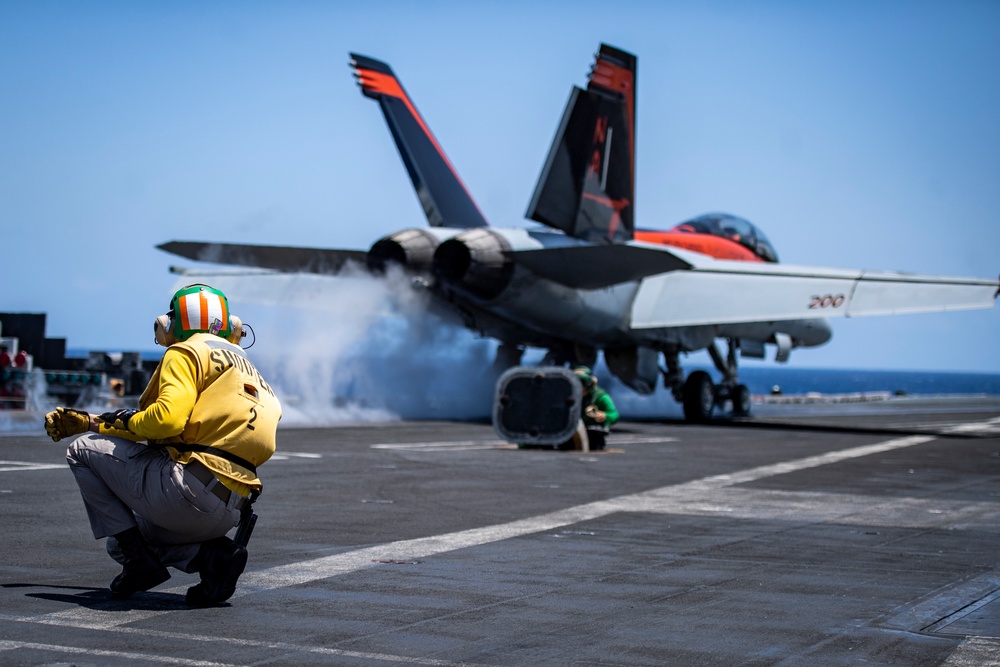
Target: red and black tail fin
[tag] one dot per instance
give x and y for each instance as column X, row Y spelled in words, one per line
column 443, row 196
column 587, row 186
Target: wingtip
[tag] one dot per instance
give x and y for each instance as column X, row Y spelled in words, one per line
column 169, row 247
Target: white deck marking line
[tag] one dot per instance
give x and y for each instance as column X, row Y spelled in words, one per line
column 450, row 445
column 443, row 446
column 975, row 652
column 807, row 507
column 976, row 427
column 665, row 499
column 617, row 439
column 229, row 642
column 18, row 466
column 754, row 474
column 129, row 655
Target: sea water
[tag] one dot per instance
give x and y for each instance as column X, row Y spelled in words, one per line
column 762, row 380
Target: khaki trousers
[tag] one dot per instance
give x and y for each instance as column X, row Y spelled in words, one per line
column 126, row 484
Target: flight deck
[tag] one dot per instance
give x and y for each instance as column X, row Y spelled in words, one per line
column 818, row 535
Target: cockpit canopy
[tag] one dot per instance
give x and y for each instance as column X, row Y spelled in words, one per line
column 732, row 228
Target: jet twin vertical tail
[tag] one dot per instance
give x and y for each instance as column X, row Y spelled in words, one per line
column 587, row 186
column 443, row 196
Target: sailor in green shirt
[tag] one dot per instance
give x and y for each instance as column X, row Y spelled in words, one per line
column 599, row 413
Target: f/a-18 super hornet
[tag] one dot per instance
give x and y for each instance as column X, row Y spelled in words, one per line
column 588, row 281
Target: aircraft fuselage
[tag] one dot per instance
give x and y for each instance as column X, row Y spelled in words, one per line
column 547, row 313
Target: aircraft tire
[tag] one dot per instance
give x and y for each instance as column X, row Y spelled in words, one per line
column 699, row 397
column 741, row 400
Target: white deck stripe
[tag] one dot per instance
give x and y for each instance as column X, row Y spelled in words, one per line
column 96, row 652
column 672, row 498
column 187, row 638
column 445, row 445
column 18, row 466
column 710, row 495
column 975, row 652
column 707, row 495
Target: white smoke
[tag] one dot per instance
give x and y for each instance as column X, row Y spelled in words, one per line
column 354, row 348
column 631, row 405
column 23, row 412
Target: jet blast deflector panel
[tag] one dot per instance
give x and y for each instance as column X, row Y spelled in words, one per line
column 537, row 405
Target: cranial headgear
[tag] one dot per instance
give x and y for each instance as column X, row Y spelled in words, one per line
column 586, row 377
column 197, row 309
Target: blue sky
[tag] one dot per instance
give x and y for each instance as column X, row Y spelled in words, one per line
column 855, row 134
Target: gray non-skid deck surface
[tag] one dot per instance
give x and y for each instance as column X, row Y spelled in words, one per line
column 844, row 536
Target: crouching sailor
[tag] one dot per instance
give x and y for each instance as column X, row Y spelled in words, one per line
column 599, row 414
column 167, row 482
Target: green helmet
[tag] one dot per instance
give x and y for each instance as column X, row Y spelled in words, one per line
column 586, row 377
column 200, row 309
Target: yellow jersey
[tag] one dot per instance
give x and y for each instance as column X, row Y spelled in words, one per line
column 205, row 392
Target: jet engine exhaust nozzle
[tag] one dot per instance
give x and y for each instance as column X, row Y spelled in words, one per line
column 411, row 248
column 476, row 262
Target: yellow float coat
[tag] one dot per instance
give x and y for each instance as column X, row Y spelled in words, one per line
column 206, row 392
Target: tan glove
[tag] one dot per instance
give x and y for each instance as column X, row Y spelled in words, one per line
column 66, row 422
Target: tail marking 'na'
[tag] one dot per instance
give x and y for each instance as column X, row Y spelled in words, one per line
column 587, row 186
column 444, row 198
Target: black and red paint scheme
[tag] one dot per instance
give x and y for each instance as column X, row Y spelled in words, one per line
column 588, row 281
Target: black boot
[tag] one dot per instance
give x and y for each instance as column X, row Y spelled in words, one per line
column 220, row 563
column 142, row 569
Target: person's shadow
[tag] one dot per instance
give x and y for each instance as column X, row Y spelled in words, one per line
column 100, row 598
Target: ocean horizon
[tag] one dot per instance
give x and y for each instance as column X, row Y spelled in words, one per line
column 761, row 379
column 375, row 405
column 373, row 386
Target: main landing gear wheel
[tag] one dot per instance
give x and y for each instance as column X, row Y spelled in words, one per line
column 699, row 397
column 741, row 400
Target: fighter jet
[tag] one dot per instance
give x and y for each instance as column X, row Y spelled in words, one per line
column 588, row 281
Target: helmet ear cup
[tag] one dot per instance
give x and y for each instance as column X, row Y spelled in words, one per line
column 236, row 332
column 163, row 331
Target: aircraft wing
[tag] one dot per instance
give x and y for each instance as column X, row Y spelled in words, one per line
column 278, row 258
column 684, row 288
column 720, row 292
